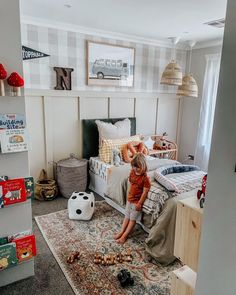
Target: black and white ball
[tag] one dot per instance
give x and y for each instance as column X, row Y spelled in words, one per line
column 81, row 206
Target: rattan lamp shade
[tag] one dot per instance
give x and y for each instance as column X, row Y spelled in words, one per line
column 172, row 74
column 189, row 87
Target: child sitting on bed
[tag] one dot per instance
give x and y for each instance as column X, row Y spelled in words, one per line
column 140, row 185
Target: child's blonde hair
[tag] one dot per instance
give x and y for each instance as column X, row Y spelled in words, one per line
column 139, row 162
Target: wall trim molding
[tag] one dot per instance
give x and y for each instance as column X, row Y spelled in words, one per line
column 98, row 94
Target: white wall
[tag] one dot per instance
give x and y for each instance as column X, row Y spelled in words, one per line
column 54, row 119
column 217, row 252
column 191, row 106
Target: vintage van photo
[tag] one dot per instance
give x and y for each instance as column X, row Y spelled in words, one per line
column 110, row 68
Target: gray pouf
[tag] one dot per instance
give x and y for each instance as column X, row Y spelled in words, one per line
column 71, row 175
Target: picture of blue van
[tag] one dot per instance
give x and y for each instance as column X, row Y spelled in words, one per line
column 104, row 68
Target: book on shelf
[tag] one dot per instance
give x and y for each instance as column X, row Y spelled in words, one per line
column 14, row 140
column 25, row 247
column 13, row 191
column 8, row 256
column 12, row 121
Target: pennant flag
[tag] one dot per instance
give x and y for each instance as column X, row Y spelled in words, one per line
column 29, row 53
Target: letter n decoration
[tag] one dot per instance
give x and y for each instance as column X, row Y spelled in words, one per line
column 63, row 78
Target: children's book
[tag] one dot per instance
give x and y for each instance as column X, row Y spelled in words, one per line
column 8, row 256
column 29, row 186
column 13, row 191
column 21, row 234
column 25, row 247
column 3, row 240
column 12, row 121
column 14, row 140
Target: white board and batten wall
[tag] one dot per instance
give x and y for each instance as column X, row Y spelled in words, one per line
column 54, row 119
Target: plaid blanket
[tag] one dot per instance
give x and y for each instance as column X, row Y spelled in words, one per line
column 158, row 195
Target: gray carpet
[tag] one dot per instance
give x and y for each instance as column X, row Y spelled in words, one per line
column 48, row 279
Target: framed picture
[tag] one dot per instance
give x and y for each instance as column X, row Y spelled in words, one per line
column 110, row 65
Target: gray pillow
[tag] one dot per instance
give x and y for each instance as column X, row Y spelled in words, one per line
column 118, row 130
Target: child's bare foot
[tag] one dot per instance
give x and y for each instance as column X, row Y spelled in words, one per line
column 121, row 240
column 118, row 235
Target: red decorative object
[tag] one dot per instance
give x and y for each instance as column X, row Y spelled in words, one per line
column 3, row 75
column 16, row 81
column 201, row 193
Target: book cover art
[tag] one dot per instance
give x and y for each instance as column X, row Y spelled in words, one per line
column 14, row 140
column 13, row 191
column 8, row 256
column 18, row 235
column 25, row 247
column 12, row 121
column 29, row 186
column 3, row 240
column 1, row 198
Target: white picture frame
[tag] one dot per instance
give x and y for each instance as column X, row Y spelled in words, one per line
column 110, row 65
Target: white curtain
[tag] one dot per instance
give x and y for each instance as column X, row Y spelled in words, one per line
column 208, row 103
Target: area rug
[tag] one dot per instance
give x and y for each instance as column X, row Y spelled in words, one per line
column 64, row 236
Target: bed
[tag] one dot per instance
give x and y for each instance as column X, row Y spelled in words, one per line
column 159, row 209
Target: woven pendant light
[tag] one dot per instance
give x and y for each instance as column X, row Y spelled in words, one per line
column 172, row 74
column 189, row 86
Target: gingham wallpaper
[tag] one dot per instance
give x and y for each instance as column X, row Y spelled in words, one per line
column 68, row 49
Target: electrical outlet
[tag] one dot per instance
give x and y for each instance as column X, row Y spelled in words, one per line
column 191, row 157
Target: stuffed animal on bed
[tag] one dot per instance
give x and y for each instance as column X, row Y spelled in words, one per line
column 161, row 142
column 116, row 157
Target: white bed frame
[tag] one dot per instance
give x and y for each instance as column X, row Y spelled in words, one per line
column 99, row 186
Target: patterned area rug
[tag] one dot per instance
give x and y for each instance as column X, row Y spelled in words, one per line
column 86, row 278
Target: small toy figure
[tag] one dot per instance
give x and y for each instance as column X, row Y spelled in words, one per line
column 97, row 258
column 201, row 193
column 116, row 157
column 73, row 256
column 125, row 278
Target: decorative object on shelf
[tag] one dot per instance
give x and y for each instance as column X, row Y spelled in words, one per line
column 81, row 206
column 3, row 76
column 71, row 175
column 110, row 65
column 172, row 74
column 12, row 121
column 29, row 53
column 202, row 193
column 189, row 85
column 16, row 82
column 63, row 78
column 8, row 256
column 45, row 188
column 130, row 149
column 14, row 140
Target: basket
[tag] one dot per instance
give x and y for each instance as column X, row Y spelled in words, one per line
column 45, row 188
column 71, row 175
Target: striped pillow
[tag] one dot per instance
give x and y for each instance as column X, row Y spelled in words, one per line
column 105, row 151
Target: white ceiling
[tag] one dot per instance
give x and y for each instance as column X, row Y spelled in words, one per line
column 151, row 19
